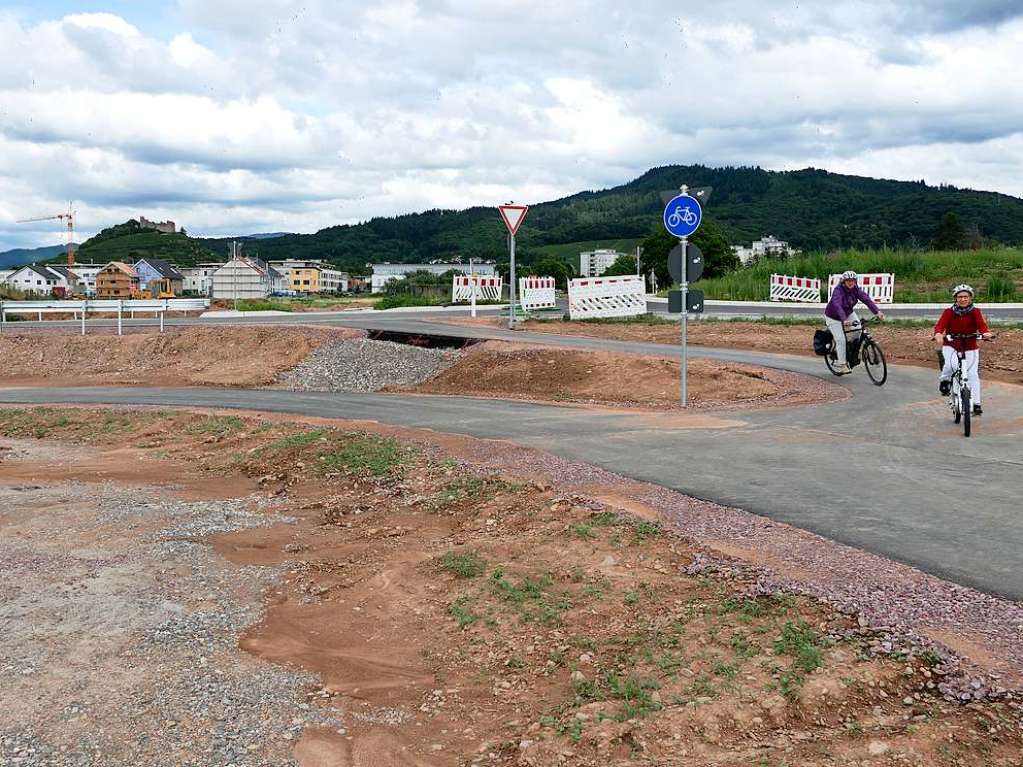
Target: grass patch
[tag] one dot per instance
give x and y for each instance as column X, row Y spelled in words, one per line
column 468, row 565
column 800, row 642
column 639, row 319
column 466, row 487
column 217, row 425
column 400, row 300
column 534, row 599
column 298, row 440
column 260, row 305
column 366, row 455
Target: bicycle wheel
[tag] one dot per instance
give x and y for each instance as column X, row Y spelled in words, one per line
column 831, row 360
column 874, row 362
column 965, row 404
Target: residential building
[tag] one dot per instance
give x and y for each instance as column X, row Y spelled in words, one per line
column 767, row 246
column 596, row 262
column 358, row 284
column 244, row 277
column 4, row 274
column 198, row 279
column 86, row 274
column 311, row 276
column 44, row 280
column 384, row 273
column 117, row 280
column 158, row 276
column 167, row 227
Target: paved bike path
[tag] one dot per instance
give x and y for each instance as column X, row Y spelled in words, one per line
column 885, row 470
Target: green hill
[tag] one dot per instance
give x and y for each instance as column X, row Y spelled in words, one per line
column 812, row 209
column 129, row 242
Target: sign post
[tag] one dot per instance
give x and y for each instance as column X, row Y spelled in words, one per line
column 512, row 215
column 682, row 217
column 472, row 299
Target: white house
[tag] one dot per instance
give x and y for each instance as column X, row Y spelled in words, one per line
column 41, row 279
column 384, row 273
column 767, row 246
column 595, row 262
column 199, row 278
column 246, row 278
column 86, row 274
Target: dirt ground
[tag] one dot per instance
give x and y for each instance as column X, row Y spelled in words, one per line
column 511, row 371
column 228, row 356
column 452, row 616
column 1001, row 360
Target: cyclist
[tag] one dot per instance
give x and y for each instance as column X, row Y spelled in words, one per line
column 840, row 314
column 961, row 318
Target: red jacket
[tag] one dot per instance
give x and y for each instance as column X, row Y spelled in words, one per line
column 971, row 322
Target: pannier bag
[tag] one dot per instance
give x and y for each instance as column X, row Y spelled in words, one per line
column 822, row 341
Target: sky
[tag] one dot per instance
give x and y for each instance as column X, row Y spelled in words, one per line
column 241, row 116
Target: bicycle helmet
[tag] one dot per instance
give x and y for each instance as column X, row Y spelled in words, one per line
column 849, row 275
column 960, row 288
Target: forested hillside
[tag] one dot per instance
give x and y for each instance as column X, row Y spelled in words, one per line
column 812, row 209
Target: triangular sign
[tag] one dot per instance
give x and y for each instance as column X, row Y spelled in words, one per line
column 513, row 216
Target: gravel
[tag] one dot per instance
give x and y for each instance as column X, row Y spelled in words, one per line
column 123, row 650
column 366, row 366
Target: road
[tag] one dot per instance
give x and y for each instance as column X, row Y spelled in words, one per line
column 885, row 471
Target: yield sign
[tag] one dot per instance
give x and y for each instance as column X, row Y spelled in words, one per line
column 513, row 216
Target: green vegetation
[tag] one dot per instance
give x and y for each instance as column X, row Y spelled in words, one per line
column 216, row 425
column 924, row 276
column 376, row 456
column 468, row 565
column 128, row 242
column 298, row 440
column 405, row 299
column 267, row 305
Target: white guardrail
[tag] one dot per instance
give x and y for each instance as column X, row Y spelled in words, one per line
column 80, row 309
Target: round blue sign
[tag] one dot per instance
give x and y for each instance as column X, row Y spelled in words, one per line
column 682, row 215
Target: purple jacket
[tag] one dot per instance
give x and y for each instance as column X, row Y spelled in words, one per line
column 843, row 301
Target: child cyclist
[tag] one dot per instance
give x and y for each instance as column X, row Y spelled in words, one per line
column 961, row 318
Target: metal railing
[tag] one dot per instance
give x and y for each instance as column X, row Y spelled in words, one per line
column 158, row 306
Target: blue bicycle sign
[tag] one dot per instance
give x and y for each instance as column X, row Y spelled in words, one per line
column 682, row 215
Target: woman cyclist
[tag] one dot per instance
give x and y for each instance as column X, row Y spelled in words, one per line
column 840, row 314
column 961, row 318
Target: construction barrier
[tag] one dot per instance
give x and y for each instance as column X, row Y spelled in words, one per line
column 606, row 297
column 786, row 288
column 487, row 288
column 880, row 287
column 537, row 293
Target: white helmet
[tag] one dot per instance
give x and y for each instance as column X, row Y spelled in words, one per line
column 961, row 289
column 849, row 275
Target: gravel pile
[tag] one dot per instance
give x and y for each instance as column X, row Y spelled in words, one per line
column 123, row 649
column 366, row 366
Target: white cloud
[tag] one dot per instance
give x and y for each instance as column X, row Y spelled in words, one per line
column 265, row 114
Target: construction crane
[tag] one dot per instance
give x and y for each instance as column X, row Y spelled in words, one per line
column 70, row 218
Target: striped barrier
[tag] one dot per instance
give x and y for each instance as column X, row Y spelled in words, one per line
column 606, row 297
column 537, row 293
column 786, row 288
column 880, row 287
column 487, row 288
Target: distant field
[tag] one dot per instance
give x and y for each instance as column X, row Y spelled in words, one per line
column 920, row 276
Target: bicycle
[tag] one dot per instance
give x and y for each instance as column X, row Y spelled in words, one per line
column 862, row 348
column 959, row 392
column 682, row 216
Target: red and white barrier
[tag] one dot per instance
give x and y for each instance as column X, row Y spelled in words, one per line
column 606, row 297
column 487, row 288
column 880, row 287
column 786, row 288
column 536, row 293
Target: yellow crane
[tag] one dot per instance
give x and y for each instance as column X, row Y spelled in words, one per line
column 69, row 217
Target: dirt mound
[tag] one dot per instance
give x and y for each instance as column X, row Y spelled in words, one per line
column 224, row 356
column 511, row 371
column 1001, row 360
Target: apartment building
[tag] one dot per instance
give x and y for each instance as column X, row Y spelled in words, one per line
column 311, row 276
column 595, row 262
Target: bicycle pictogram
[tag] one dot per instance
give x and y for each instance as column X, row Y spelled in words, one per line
column 682, row 215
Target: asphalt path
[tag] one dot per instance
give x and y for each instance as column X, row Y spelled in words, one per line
column 885, row 470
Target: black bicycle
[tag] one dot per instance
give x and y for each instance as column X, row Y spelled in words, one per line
column 860, row 346
column 959, row 392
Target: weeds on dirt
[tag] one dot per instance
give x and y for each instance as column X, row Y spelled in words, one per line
column 216, row 425
column 376, row 456
column 468, row 565
column 298, row 440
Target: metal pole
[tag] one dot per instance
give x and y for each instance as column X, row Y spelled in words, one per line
column 511, row 287
column 685, row 320
column 472, row 281
column 84, row 304
column 120, row 309
column 3, row 316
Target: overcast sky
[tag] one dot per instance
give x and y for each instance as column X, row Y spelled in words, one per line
column 243, row 116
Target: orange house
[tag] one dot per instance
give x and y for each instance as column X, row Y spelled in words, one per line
column 117, row 280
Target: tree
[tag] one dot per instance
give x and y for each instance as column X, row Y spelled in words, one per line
column 549, row 266
column 623, row 265
column 950, row 235
column 717, row 253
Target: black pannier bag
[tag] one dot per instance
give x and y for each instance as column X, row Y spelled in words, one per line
column 822, row 340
